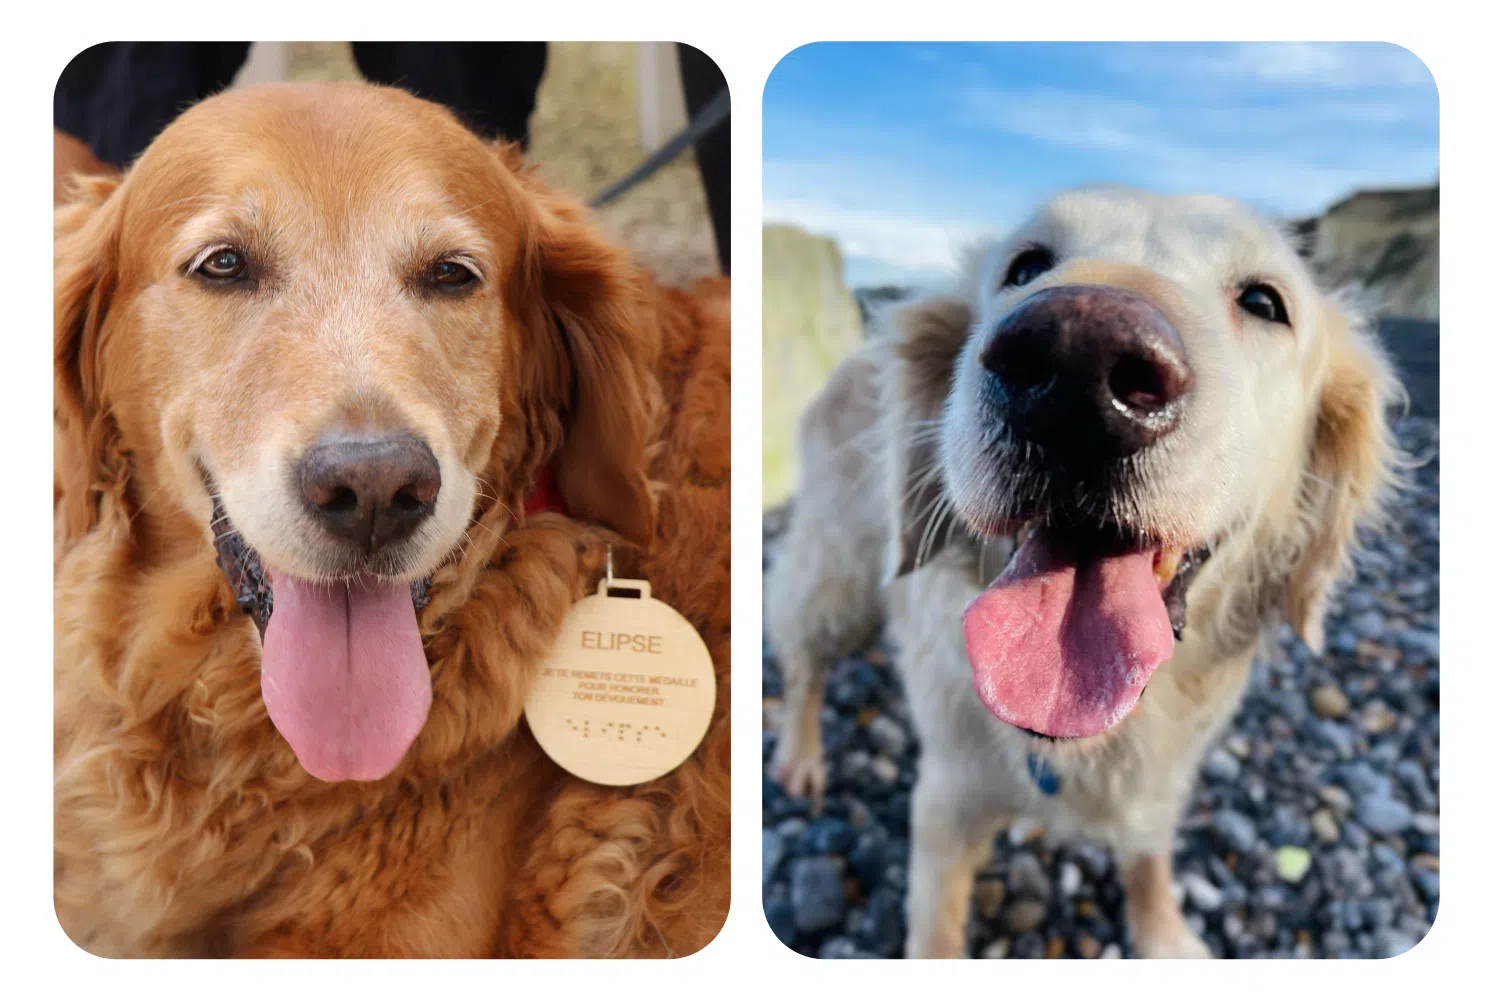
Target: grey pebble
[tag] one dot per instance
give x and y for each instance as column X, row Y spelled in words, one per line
column 1381, row 815
column 771, row 851
column 1203, row 894
column 843, row 948
column 792, row 828
column 1388, row 943
column 1336, row 798
column 1421, row 643
column 1025, row 915
column 1029, row 946
column 888, row 736
column 1334, row 735
column 1069, row 880
column 1221, row 765
column 1325, row 826
column 1362, row 779
column 854, row 764
column 1369, row 625
column 1236, row 829
column 1027, row 878
column 885, row 770
column 817, row 894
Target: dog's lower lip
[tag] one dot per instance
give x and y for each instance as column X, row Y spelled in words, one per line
column 247, row 575
column 1050, row 739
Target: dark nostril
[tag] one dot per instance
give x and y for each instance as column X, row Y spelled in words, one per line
column 1139, row 384
column 406, row 500
column 342, row 501
column 1090, row 373
column 370, row 490
column 1022, row 363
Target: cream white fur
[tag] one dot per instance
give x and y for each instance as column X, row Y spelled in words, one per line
column 1283, row 454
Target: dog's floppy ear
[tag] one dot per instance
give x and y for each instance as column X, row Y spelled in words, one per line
column 924, row 338
column 85, row 260
column 592, row 347
column 1350, row 466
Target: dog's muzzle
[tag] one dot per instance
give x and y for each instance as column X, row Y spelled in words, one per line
column 1088, row 373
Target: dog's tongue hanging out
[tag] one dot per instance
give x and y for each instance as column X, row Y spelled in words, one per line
column 343, row 675
column 1064, row 646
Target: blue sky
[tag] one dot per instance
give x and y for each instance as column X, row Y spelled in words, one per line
column 905, row 152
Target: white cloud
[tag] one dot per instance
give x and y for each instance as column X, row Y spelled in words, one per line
column 1289, row 128
column 1061, row 117
column 1276, row 158
column 1316, row 64
column 1088, row 120
column 1320, row 65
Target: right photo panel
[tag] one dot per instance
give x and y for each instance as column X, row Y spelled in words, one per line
column 1101, row 500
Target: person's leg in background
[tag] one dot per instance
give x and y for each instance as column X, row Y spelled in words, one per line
column 116, row 96
column 491, row 86
column 701, row 81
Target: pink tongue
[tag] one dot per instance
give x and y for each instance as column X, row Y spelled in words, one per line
column 1065, row 649
column 343, row 675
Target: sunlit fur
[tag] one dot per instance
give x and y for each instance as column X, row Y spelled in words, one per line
column 1283, row 455
column 184, row 824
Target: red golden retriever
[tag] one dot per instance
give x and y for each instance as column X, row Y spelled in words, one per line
column 349, row 407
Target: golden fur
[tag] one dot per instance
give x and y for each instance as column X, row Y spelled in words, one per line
column 184, row 824
column 1298, row 410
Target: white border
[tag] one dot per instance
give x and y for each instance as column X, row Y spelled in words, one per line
column 747, row 39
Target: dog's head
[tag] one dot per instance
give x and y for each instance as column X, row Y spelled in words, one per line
column 329, row 324
column 1132, row 384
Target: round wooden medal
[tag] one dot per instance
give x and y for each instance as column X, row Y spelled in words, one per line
column 627, row 692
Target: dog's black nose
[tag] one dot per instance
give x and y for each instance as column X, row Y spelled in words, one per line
column 1089, row 373
column 371, row 491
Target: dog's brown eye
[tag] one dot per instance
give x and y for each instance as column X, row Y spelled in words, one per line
column 1029, row 265
column 451, row 274
column 1264, row 302
column 225, row 264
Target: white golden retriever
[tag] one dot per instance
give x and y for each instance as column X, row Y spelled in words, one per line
column 1143, row 415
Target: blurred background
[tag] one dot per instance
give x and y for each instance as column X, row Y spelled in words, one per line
column 601, row 108
column 882, row 161
column 1314, row 828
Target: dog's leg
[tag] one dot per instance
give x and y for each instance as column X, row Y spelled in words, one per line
column 823, row 593
column 953, row 832
column 1156, row 922
column 798, row 763
column 816, row 611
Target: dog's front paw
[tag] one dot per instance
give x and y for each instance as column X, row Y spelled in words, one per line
column 1178, row 942
column 802, row 775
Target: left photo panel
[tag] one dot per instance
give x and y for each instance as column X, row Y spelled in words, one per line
column 391, row 500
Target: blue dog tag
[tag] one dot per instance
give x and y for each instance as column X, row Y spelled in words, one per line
column 1042, row 775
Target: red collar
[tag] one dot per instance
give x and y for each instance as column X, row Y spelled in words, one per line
column 545, row 496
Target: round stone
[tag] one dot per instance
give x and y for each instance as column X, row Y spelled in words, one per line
column 1292, row 863
column 1382, row 816
column 1330, row 702
column 1201, row 893
column 1025, row 915
column 1325, row 826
